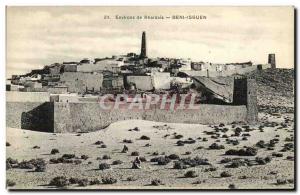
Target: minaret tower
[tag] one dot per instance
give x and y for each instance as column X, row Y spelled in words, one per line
column 143, row 46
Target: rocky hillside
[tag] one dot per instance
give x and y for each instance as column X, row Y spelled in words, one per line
column 275, row 90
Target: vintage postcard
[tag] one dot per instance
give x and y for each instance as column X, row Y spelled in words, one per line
column 155, row 97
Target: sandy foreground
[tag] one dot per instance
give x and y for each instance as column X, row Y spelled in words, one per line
column 257, row 176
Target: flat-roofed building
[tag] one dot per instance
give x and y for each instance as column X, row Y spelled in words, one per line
column 81, row 82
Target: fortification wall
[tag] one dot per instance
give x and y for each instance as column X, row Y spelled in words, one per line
column 17, row 96
column 224, row 73
column 245, row 93
column 206, row 114
column 85, row 117
column 252, row 110
column 30, row 115
column 63, row 117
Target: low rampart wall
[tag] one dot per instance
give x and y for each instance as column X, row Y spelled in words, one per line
column 85, row 117
column 30, row 115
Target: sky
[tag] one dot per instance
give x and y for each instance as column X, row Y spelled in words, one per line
column 39, row 36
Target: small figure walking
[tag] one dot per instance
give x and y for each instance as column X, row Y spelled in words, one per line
column 125, row 149
column 136, row 163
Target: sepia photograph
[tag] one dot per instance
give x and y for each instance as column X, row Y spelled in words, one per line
column 150, row 98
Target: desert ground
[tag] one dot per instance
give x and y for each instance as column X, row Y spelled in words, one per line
column 27, row 145
column 171, row 155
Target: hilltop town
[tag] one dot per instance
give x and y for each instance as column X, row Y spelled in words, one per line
column 129, row 73
column 241, row 136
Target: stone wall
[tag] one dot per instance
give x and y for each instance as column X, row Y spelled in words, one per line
column 30, row 115
column 17, row 96
column 245, row 93
column 85, row 117
column 64, row 117
column 224, row 73
column 252, row 110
